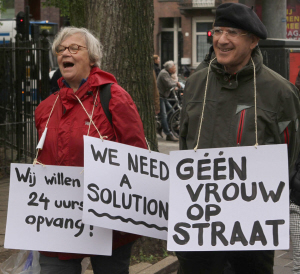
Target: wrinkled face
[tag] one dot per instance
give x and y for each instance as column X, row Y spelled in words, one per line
column 233, row 52
column 74, row 67
column 172, row 70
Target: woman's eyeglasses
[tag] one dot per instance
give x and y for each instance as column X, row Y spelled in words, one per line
column 73, row 49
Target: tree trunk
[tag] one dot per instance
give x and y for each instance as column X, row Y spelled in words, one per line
column 125, row 29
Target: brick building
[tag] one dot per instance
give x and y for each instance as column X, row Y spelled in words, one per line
column 37, row 11
column 180, row 30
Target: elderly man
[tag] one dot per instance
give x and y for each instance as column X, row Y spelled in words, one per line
column 164, row 84
column 225, row 98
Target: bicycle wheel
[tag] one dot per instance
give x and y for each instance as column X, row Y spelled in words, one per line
column 174, row 123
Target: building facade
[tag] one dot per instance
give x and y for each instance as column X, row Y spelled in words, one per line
column 38, row 12
column 180, row 27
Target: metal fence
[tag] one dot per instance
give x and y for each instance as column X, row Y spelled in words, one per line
column 24, row 82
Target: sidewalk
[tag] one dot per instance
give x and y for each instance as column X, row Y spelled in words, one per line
column 283, row 259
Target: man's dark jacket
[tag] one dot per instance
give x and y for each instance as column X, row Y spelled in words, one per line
column 229, row 114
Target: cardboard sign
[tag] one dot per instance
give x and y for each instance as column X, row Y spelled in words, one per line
column 229, row 199
column 45, row 211
column 126, row 188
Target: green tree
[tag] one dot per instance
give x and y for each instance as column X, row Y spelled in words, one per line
column 2, row 8
column 125, row 29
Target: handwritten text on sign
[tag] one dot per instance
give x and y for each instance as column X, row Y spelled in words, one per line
column 230, row 199
column 126, row 188
column 45, row 211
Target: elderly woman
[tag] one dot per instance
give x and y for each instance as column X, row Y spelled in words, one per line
column 164, row 84
column 65, row 114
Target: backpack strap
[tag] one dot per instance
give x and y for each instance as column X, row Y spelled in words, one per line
column 105, row 96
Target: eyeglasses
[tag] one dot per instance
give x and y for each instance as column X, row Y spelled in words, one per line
column 73, row 49
column 230, row 33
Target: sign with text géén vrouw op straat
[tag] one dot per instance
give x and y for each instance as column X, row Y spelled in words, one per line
column 233, row 198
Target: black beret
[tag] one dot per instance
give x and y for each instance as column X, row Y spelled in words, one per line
column 240, row 16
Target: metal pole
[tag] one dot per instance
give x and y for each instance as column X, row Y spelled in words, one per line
column 274, row 18
column 27, row 23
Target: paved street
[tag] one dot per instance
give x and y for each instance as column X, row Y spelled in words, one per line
column 283, row 259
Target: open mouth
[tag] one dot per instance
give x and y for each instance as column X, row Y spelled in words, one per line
column 68, row 64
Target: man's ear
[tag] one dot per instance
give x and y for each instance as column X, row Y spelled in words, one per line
column 255, row 40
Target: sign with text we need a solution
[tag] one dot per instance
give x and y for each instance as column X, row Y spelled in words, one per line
column 126, row 188
column 45, row 211
column 229, row 199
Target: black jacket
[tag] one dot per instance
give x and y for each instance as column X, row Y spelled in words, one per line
column 230, row 103
column 157, row 69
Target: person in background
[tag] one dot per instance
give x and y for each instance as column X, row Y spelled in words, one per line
column 165, row 83
column 156, row 105
column 156, row 61
column 231, row 89
column 155, row 95
column 79, row 57
column 297, row 83
column 295, row 209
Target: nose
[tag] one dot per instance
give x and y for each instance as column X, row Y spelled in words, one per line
column 223, row 38
column 66, row 52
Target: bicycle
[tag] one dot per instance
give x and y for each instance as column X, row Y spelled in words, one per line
column 173, row 119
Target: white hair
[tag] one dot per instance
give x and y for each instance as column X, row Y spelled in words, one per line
column 94, row 46
column 169, row 64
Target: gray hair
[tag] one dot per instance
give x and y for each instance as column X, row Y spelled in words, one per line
column 94, row 47
column 169, row 64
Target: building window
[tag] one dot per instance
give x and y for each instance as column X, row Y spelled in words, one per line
column 170, row 40
column 167, row 23
column 200, row 45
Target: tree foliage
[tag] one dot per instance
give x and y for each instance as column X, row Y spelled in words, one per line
column 2, row 8
column 73, row 9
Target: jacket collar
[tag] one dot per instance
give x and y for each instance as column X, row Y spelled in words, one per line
column 246, row 72
column 96, row 78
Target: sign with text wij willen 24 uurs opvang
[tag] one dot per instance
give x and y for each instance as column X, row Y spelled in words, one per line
column 45, row 211
column 126, row 188
column 230, row 199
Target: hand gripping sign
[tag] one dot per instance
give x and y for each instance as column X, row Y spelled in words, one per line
column 126, row 188
column 230, row 199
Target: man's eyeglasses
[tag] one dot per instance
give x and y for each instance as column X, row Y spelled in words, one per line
column 230, row 33
column 73, row 49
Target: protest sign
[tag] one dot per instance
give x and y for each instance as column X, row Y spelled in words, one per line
column 229, row 199
column 126, row 188
column 45, row 211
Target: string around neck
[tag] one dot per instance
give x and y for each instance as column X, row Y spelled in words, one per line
column 255, row 106
column 91, row 116
column 204, row 102
column 43, row 137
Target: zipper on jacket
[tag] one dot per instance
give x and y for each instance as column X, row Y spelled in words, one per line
column 240, row 128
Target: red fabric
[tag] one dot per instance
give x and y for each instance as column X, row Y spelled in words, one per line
column 286, row 136
column 241, row 126
column 69, row 122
